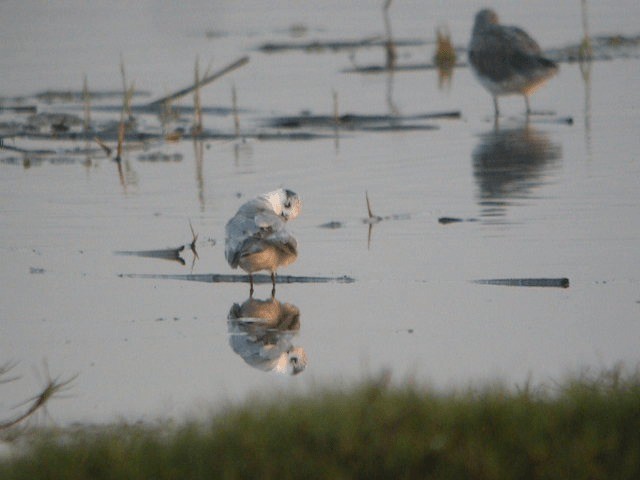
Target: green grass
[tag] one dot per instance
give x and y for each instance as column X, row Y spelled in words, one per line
column 581, row 429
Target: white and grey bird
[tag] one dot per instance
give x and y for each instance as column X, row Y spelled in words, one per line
column 256, row 237
column 506, row 59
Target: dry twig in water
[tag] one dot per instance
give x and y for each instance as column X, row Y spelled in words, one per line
column 197, row 106
column 121, row 128
column 371, row 220
column 53, row 388
column 127, row 91
column 104, row 146
column 336, row 112
column 193, row 242
column 6, row 368
column 390, row 46
column 185, row 91
column 234, row 105
column 86, row 100
column 586, row 53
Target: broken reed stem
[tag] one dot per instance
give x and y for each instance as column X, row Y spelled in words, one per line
column 197, row 106
column 366, row 196
column 336, row 112
column 121, row 128
column 128, row 97
column 390, row 47
column 127, row 91
column 586, row 52
column 103, row 145
column 193, row 242
column 234, row 106
column 86, row 100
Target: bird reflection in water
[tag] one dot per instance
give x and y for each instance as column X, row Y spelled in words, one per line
column 261, row 332
column 509, row 164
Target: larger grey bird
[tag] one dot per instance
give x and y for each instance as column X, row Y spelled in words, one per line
column 256, row 238
column 506, row 59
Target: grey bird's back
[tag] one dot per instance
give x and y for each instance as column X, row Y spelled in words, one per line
column 254, row 220
column 505, row 58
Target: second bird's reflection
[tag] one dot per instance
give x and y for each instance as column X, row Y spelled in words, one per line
column 262, row 332
column 509, row 164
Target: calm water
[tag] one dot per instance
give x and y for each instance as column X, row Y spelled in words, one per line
column 548, row 199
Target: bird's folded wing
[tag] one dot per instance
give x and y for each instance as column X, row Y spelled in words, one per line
column 267, row 220
column 520, row 40
column 281, row 240
column 500, row 52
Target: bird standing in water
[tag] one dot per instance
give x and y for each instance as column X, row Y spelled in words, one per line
column 256, row 238
column 506, row 59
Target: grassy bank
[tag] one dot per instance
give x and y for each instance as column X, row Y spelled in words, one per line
column 587, row 428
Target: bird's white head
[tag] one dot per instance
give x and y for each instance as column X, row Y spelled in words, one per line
column 285, row 203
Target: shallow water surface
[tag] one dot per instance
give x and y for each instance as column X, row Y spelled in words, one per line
column 151, row 335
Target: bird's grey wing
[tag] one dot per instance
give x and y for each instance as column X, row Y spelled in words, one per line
column 526, row 56
column 256, row 216
column 280, row 239
column 267, row 220
column 247, row 236
column 238, row 230
column 488, row 53
column 501, row 51
column 285, row 241
column 521, row 41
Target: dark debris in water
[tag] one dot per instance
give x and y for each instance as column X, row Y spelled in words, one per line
column 17, row 108
column 69, row 96
column 55, row 122
column 372, row 220
column 233, row 278
column 332, row 225
column 160, row 157
column 408, row 67
column 527, row 282
column 163, row 254
column 317, row 46
column 65, row 96
column 549, row 117
column 450, row 220
column 35, row 160
column 404, row 330
column 397, row 128
column 352, row 121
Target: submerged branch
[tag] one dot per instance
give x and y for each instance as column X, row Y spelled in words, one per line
column 527, row 282
column 231, row 278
